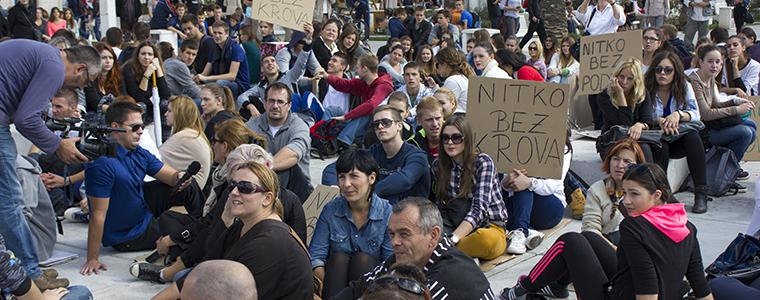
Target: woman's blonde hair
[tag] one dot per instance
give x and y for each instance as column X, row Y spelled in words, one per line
column 186, row 115
column 452, row 98
column 269, row 182
column 638, row 92
column 539, row 47
column 233, row 132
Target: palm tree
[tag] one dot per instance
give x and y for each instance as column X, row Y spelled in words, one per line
column 555, row 17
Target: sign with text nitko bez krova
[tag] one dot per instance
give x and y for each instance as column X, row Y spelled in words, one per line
column 286, row 13
column 520, row 124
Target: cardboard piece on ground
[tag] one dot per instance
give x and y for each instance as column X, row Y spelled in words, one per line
column 753, row 152
column 601, row 54
column 58, row 257
column 286, row 13
column 314, row 204
column 520, row 124
column 488, row 265
column 591, row 134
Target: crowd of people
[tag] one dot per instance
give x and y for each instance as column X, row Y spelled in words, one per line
column 206, row 155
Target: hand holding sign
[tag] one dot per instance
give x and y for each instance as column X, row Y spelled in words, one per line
column 287, row 13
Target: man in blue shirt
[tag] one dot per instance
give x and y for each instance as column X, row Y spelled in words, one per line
column 115, row 190
column 228, row 67
column 29, row 79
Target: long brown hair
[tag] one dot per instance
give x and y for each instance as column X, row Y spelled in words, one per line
column 134, row 63
column 427, row 67
column 446, row 163
column 110, row 82
column 349, row 29
column 228, row 101
column 677, row 86
column 455, row 60
column 186, row 115
column 566, row 60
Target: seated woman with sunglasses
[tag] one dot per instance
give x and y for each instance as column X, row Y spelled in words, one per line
column 258, row 238
column 626, row 103
column 600, row 213
column 658, row 248
column 722, row 119
column 350, row 237
column 736, row 136
column 468, row 193
column 402, row 282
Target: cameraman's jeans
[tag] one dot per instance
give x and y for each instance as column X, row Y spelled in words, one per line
column 13, row 226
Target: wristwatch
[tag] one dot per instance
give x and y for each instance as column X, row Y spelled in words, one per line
column 533, row 184
column 454, row 239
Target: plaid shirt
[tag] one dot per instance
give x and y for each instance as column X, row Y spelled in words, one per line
column 487, row 201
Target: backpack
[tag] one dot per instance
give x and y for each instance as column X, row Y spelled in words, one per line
column 724, row 170
column 323, row 138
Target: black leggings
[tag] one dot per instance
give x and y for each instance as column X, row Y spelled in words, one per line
column 534, row 27
column 342, row 268
column 690, row 145
column 585, row 259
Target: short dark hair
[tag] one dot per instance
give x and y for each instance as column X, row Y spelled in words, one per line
column 141, row 31
column 68, row 94
column 221, row 24
column 412, row 65
column 359, row 159
column 114, row 37
column 189, row 18
column 278, row 86
column 189, row 44
column 394, row 111
column 342, row 56
column 117, row 112
column 445, row 13
column 399, row 11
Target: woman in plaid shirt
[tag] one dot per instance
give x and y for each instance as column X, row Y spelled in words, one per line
column 468, row 193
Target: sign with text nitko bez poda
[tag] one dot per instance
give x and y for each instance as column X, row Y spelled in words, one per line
column 601, row 54
column 286, row 13
column 520, row 124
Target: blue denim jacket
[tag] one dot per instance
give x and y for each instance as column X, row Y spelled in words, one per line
column 336, row 232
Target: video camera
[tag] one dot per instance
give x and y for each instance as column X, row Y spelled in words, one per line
column 94, row 136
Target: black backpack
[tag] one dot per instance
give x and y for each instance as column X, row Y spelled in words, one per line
column 323, row 138
column 724, row 169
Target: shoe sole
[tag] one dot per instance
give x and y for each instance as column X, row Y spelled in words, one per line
column 533, row 242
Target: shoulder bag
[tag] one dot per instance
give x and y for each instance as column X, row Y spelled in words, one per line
column 740, row 260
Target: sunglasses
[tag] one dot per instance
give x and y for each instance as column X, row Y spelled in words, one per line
column 636, row 168
column 382, row 122
column 532, row 48
column 245, row 187
column 664, row 70
column 651, row 39
column 403, row 283
column 454, row 138
column 136, row 127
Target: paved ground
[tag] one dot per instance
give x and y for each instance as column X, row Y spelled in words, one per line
column 726, row 217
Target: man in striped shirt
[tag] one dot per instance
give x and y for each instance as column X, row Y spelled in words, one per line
column 416, row 231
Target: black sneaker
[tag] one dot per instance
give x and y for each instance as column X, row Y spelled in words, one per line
column 515, row 292
column 146, row 271
column 742, row 175
column 739, row 188
column 554, row 290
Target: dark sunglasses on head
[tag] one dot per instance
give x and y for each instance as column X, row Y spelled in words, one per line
column 454, row 138
column 636, row 168
column 245, row 187
column 666, row 70
column 403, row 283
column 384, row 122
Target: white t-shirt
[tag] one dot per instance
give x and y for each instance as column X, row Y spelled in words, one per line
column 458, row 85
column 338, row 99
column 274, row 129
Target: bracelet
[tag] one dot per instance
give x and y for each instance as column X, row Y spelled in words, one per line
column 680, row 115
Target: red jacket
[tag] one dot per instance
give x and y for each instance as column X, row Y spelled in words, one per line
column 528, row 72
column 371, row 95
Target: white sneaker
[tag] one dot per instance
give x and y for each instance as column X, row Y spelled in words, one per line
column 516, row 242
column 534, row 239
column 75, row 214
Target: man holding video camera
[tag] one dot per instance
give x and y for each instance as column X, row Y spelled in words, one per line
column 30, row 77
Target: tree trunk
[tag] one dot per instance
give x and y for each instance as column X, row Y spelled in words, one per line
column 555, row 18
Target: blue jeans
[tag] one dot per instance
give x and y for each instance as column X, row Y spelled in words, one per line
column 233, row 86
column 13, row 226
column 527, row 209
column 354, row 129
column 737, row 138
column 78, row 292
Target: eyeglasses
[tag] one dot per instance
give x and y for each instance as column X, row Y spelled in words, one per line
column 214, row 140
column 651, row 39
column 454, row 138
column 403, row 283
column 278, row 102
column 664, row 70
column 382, row 122
column 136, row 127
column 532, row 49
column 245, row 187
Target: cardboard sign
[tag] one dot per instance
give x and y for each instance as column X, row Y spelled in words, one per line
column 314, row 204
column 286, row 13
column 520, row 124
column 601, row 54
column 753, row 152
